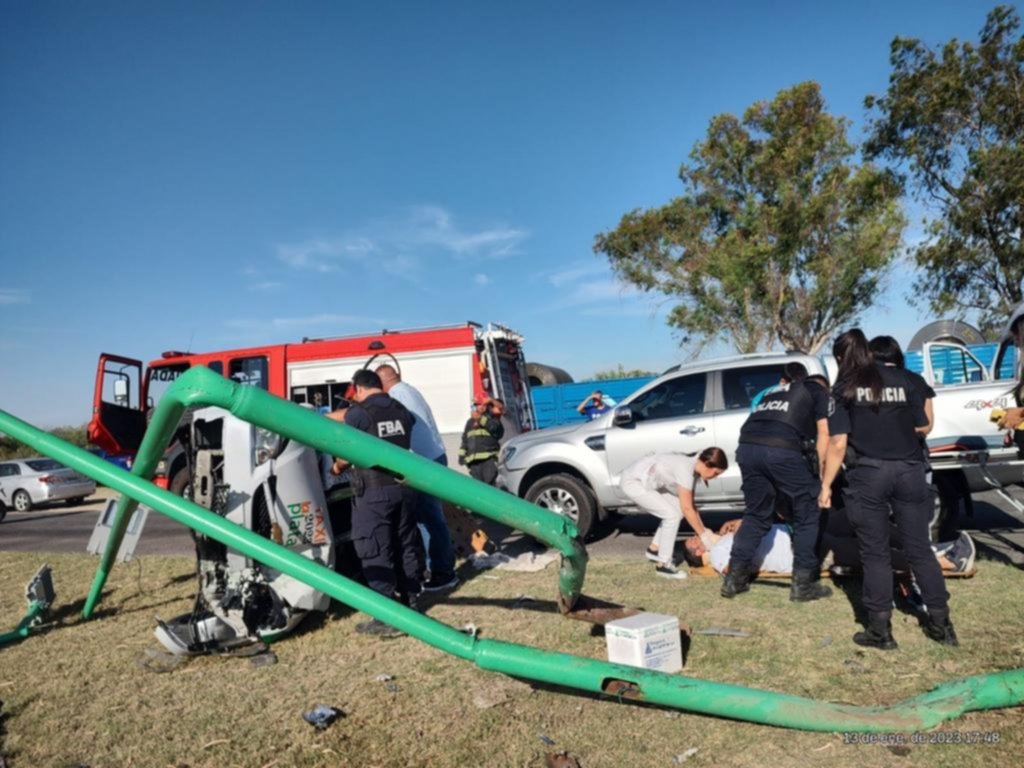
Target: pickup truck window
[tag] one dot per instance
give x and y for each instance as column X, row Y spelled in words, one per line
column 739, row 385
column 682, row 396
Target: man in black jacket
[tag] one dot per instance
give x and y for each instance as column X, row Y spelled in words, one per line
column 384, row 530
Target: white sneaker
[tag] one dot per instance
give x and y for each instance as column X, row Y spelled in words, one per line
column 670, row 572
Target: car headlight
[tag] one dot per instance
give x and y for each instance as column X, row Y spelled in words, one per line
column 507, row 453
column 267, row 445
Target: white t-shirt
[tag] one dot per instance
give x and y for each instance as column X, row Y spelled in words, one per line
column 663, row 472
column 426, row 439
column 775, row 553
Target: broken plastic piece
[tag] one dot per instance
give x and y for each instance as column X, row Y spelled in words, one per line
column 321, row 716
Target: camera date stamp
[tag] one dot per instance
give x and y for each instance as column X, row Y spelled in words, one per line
column 926, row 738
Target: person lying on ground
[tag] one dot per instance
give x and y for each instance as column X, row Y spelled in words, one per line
column 775, row 553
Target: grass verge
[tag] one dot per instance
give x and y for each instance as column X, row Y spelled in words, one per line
column 77, row 693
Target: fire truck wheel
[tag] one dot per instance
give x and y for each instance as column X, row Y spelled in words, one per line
column 566, row 495
column 179, row 484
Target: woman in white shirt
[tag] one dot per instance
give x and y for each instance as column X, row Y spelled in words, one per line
column 662, row 484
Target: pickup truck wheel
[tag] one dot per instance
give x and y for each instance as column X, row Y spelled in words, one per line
column 568, row 496
column 21, row 501
column 179, row 483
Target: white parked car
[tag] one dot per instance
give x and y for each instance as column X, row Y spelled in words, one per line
column 25, row 483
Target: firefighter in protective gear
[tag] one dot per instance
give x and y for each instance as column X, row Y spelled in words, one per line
column 775, row 459
column 481, row 440
column 384, row 531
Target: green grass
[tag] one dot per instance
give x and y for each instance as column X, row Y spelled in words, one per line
column 78, row 694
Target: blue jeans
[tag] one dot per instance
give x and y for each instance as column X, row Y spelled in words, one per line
column 437, row 541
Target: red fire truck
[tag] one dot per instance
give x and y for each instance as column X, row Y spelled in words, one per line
column 453, row 366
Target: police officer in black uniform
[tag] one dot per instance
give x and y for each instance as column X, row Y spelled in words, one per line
column 384, row 530
column 876, row 410
column 773, row 456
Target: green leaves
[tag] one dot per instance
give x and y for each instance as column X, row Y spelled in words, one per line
column 780, row 237
column 953, row 120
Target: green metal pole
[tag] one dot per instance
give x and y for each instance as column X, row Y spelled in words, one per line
column 26, row 625
column 1000, row 689
column 201, row 386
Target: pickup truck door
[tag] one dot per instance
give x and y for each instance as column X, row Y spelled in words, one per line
column 734, row 389
column 667, row 418
column 947, row 364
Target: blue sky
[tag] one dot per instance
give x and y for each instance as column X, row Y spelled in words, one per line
column 224, row 174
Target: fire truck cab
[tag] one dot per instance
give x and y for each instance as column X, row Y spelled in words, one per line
column 454, row 367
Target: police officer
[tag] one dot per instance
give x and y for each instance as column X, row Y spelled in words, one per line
column 774, row 442
column 384, row 530
column 876, row 410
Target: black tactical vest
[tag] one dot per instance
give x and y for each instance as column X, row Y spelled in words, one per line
column 790, row 404
column 390, row 421
column 886, row 429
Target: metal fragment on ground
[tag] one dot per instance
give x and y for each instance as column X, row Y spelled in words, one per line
column 321, row 716
column 722, row 632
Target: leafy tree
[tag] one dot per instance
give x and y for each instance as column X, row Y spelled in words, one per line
column 12, row 449
column 621, row 373
column 953, row 119
column 779, row 236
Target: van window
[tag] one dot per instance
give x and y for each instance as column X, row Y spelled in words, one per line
column 682, row 396
column 216, row 366
column 251, row 371
column 740, row 385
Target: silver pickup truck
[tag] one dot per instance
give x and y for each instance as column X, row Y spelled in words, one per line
column 575, row 470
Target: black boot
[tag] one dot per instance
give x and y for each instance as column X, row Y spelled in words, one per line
column 805, row 587
column 736, row 580
column 877, row 633
column 940, row 630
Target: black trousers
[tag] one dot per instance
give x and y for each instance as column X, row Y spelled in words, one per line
column 769, row 472
column 875, row 486
column 387, row 541
column 485, row 471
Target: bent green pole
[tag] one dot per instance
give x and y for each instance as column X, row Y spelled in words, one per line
column 1001, row 689
column 25, row 626
column 201, row 386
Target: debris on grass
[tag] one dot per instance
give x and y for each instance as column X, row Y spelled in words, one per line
column 215, row 743
column 321, row 716
column 384, row 677
column 561, row 760
column 722, row 632
column 682, row 758
column 267, row 659
column 545, row 740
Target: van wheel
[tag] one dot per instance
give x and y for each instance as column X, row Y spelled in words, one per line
column 565, row 495
column 179, row 483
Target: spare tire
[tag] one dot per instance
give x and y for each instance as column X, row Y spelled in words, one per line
column 947, row 330
column 541, row 375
